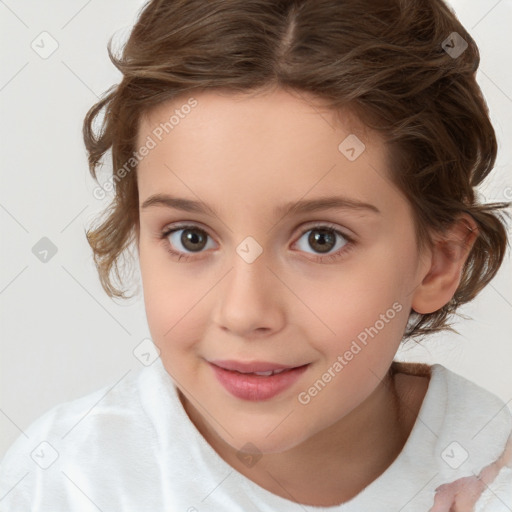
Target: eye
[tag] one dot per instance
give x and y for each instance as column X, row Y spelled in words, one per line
column 324, row 239
column 186, row 239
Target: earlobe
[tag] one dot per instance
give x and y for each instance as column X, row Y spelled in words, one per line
column 448, row 254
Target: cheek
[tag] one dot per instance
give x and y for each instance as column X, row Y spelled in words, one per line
column 367, row 308
column 172, row 314
column 343, row 304
column 369, row 319
column 166, row 295
column 176, row 299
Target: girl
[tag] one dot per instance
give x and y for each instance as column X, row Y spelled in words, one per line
column 323, row 156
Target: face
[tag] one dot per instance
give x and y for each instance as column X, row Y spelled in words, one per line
column 240, row 276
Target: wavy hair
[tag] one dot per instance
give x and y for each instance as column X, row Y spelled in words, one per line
column 387, row 61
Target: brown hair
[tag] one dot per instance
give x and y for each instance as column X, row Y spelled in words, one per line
column 385, row 60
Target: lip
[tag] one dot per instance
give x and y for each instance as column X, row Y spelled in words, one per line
column 257, row 387
column 250, row 366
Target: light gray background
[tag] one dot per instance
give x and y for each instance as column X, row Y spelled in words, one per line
column 61, row 336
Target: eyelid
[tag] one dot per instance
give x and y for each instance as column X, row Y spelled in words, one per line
column 326, row 224
column 302, row 228
column 174, row 226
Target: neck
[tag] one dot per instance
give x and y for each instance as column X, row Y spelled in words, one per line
column 357, row 448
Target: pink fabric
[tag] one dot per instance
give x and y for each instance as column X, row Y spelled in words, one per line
column 463, row 494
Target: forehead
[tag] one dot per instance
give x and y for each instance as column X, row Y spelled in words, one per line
column 261, row 146
column 292, row 113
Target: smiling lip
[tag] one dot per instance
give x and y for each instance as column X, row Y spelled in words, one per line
column 249, row 386
column 254, row 366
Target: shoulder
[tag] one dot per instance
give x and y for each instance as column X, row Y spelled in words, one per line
column 455, row 402
column 484, row 413
column 474, row 440
column 121, row 399
column 461, row 419
column 463, row 432
column 73, row 433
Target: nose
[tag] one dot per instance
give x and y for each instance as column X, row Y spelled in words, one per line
column 249, row 300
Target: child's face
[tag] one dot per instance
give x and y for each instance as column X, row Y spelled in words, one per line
column 343, row 317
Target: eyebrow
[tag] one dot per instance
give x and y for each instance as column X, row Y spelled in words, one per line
column 303, row 206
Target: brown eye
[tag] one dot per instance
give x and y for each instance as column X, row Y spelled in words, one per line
column 322, row 240
column 193, row 239
column 187, row 239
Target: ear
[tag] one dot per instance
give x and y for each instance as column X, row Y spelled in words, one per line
column 447, row 256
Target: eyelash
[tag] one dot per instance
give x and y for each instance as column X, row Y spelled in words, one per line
column 317, row 258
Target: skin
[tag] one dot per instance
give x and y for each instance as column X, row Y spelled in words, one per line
column 245, row 155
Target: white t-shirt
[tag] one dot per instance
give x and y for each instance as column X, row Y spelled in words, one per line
column 132, row 447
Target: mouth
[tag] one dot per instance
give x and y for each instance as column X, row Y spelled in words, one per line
column 263, row 374
column 256, row 381
column 254, row 367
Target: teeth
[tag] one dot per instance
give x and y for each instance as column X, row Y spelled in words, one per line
column 271, row 372
column 264, row 374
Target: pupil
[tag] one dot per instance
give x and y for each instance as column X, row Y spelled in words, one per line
column 321, row 239
column 191, row 237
